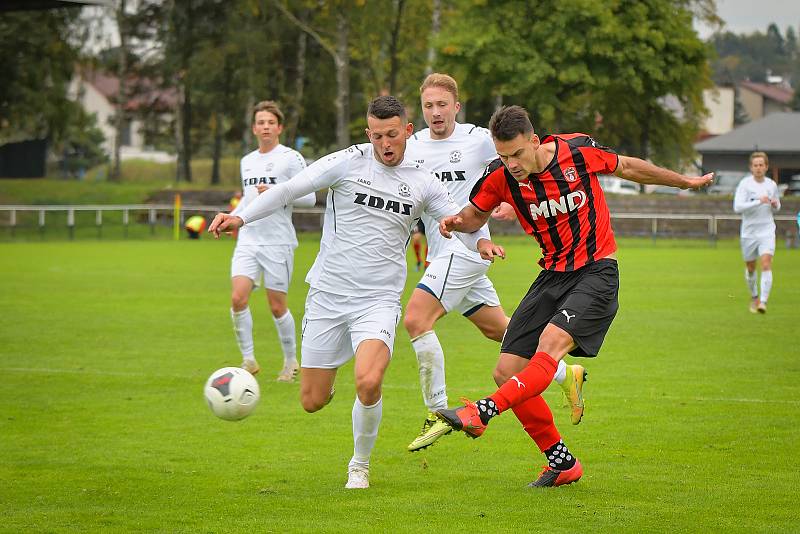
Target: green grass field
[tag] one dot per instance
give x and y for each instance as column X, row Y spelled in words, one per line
column 691, row 422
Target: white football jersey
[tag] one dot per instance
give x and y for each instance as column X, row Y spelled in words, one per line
column 459, row 162
column 370, row 212
column 757, row 218
column 270, row 168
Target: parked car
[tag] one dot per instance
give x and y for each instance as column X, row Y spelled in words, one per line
column 793, row 187
column 613, row 184
column 725, row 182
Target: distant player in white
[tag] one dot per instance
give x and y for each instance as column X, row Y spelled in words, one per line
column 267, row 246
column 455, row 279
column 757, row 199
column 376, row 195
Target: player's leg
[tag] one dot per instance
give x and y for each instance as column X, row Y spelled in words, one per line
column 417, row 241
column 277, row 263
column 243, row 321
column 372, row 335
column 492, row 321
column 325, row 347
column 586, row 304
column 316, row 388
column 244, row 271
column 750, row 255
column 422, row 311
column 285, row 326
column 766, row 250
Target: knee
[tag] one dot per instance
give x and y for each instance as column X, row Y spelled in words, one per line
column 312, row 403
column 500, row 376
column 278, row 310
column 368, row 390
column 415, row 325
column 239, row 301
column 494, row 333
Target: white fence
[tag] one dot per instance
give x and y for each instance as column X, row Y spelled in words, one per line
column 162, row 214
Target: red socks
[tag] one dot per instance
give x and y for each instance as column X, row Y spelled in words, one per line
column 537, row 420
column 528, row 383
column 417, row 249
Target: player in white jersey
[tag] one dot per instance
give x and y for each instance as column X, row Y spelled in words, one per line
column 455, row 279
column 376, row 195
column 266, row 248
column 757, row 199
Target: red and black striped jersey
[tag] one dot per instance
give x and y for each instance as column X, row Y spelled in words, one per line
column 563, row 206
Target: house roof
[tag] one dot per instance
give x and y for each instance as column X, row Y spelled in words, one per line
column 144, row 93
column 777, row 132
column 778, row 93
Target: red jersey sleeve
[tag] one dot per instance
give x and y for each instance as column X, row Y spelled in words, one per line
column 599, row 159
column 488, row 192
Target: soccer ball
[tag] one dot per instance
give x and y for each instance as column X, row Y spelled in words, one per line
column 232, row 393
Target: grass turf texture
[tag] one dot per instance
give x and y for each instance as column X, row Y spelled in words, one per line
column 691, row 422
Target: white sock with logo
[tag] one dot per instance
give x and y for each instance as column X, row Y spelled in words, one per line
column 366, row 420
column 286, row 334
column 561, row 372
column 243, row 328
column 430, row 362
column 766, row 285
column 752, row 282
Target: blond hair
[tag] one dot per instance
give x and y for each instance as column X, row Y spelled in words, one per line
column 268, row 105
column 444, row 81
column 755, row 155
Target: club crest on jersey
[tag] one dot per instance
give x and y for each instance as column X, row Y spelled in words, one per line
column 551, row 207
column 403, row 190
column 455, row 156
column 570, row 174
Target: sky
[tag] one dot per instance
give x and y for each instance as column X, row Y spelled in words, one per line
column 748, row 16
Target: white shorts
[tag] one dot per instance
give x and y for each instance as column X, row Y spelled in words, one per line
column 755, row 247
column 459, row 283
column 274, row 262
column 333, row 327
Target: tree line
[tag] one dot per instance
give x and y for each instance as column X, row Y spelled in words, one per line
column 630, row 72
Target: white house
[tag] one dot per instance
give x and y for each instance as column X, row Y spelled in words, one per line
column 97, row 91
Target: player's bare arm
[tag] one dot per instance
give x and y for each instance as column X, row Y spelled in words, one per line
column 468, row 220
column 224, row 222
column 643, row 172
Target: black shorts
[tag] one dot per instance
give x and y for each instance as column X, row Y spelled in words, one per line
column 419, row 228
column 582, row 302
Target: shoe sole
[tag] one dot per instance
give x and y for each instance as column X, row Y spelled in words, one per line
column 412, row 448
column 582, row 381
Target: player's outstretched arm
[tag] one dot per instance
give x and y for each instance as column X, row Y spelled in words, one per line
column 468, row 220
column 644, row 172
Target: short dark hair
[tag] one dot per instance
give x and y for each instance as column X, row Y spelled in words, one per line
column 510, row 121
column 268, row 105
column 386, row 107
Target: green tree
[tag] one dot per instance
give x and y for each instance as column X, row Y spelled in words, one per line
column 39, row 51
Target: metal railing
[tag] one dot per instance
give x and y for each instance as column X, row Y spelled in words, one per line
column 164, row 213
column 154, row 213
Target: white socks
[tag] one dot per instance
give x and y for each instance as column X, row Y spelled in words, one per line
column 430, row 361
column 766, row 285
column 752, row 282
column 243, row 328
column 285, row 326
column 366, row 420
column 561, row 372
